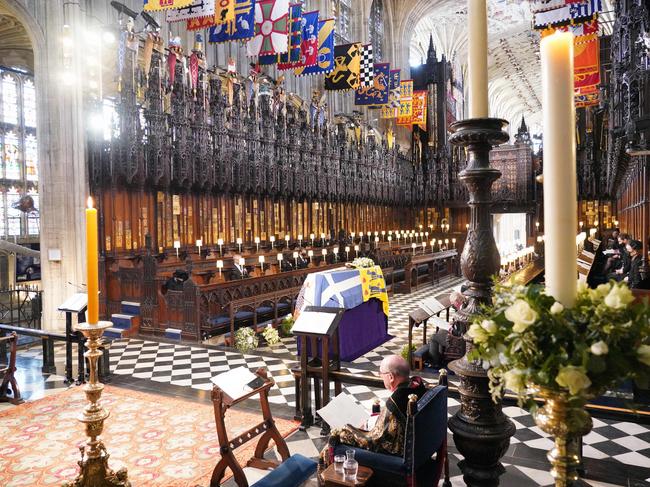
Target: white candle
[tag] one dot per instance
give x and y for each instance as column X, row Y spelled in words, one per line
column 220, row 244
column 477, row 68
column 220, row 266
column 560, row 201
column 272, row 240
column 177, row 245
column 257, row 243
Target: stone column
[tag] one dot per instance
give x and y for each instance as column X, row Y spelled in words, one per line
column 481, row 431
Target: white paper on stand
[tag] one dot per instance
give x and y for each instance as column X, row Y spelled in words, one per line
column 431, row 305
column 313, row 322
column 234, row 382
column 343, row 410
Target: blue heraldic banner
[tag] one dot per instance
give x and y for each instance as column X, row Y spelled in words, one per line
column 243, row 27
column 325, row 62
column 377, row 92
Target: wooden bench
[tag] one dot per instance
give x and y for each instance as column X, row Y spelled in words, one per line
column 8, row 370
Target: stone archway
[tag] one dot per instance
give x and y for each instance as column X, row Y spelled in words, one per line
column 61, row 157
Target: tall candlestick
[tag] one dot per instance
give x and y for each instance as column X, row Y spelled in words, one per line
column 92, row 263
column 560, row 201
column 477, row 68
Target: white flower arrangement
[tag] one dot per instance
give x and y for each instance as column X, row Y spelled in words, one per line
column 271, row 335
column 527, row 339
column 246, row 339
column 362, row 262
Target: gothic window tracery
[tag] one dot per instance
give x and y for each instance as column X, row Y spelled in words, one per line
column 342, row 11
column 18, row 153
column 376, row 29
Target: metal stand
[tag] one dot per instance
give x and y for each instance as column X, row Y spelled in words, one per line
column 481, row 431
column 93, row 466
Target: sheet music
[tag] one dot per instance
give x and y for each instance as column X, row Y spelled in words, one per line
column 313, row 322
column 343, row 410
column 234, row 382
column 431, row 305
column 75, row 303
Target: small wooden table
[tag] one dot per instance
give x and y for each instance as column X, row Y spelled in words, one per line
column 332, row 478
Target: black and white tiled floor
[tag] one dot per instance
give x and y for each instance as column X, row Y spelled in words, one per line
column 616, row 453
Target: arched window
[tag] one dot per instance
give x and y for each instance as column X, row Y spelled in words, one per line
column 376, row 29
column 18, row 153
column 342, row 12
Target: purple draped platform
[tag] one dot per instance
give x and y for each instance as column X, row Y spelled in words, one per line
column 361, row 329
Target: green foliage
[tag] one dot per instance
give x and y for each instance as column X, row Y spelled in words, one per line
column 405, row 351
column 271, row 335
column 525, row 338
column 286, row 325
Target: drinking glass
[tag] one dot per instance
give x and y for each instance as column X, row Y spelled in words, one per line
column 338, row 463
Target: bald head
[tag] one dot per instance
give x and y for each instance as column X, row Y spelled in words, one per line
column 395, row 365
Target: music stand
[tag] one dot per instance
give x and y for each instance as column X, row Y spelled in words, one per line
column 314, row 323
column 77, row 303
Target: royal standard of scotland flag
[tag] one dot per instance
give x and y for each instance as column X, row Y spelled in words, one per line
column 242, row 28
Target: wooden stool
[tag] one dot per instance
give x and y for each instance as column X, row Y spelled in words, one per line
column 333, row 479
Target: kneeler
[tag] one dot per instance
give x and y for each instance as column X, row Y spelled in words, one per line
column 266, row 428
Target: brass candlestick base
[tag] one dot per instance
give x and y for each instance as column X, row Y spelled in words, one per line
column 566, row 419
column 93, row 466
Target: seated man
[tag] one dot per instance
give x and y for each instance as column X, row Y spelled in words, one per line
column 387, row 436
column 239, row 271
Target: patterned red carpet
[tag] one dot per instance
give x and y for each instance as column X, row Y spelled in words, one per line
column 161, row 440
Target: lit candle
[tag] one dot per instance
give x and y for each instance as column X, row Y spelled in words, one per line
column 220, row 266
column 295, row 259
column 390, row 239
column 177, row 245
column 477, row 67
column 356, row 250
column 310, row 254
column 324, row 252
column 336, row 253
column 560, row 200
column 413, row 246
column 272, row 240
column 280, row 257
column 300, row 240
column 347, row 253
column 453, row 241
column 376, row 241
column 257, row 243
column 239, row 242
column 220, row 244
column 322, row 237
column 311, row 236
column 383, row 234
column 199, row 244
column 261, row 260
column 92, row 263
column 286, row 239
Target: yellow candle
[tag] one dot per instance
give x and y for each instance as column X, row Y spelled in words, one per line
column 560, row 201
column 92, row 263
column 477, row 68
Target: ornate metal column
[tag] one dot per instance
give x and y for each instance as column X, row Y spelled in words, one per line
column 481, row 431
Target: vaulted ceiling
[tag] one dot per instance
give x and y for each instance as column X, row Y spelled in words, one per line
column 15, row 47
column 513, row 52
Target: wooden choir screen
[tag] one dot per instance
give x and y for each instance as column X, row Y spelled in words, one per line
column 128, row 216
column 634, row 202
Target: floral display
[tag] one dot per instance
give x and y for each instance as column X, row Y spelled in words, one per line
column 286, row 325
column 528, row 340
column 271, row 335
column 246, row 339
column 362, row 262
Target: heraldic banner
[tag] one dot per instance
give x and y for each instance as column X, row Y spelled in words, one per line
column 390, row 110
column 243, row 27
column 347, row 66
column 325, row 51
column 291, row 58
column 271, row 28
column 224, row 11
column 377, row 92
column 153, row 5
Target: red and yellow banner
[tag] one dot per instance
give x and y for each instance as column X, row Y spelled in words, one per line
column 419, row 116
column 586, row 63
column 153, row 5
column 405, row 110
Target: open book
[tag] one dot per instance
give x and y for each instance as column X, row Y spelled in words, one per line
column 342, row 410
column 237, row 382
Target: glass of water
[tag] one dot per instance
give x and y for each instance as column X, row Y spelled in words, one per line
column 350, row 466
column 338, row 463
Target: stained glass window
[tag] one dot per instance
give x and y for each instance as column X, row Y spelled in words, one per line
column 376, row 29
column 9, row 100
column 13, row 215
column 31, row 158
column 33, row 220
column 29, row 104
column 18, row 153
column 12, row 163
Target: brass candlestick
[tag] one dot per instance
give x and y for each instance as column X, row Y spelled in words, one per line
column 93, row 466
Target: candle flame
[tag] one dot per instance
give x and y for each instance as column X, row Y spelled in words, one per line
column 89, row 202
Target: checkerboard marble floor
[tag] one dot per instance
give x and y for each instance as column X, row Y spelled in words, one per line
column 616, row 453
